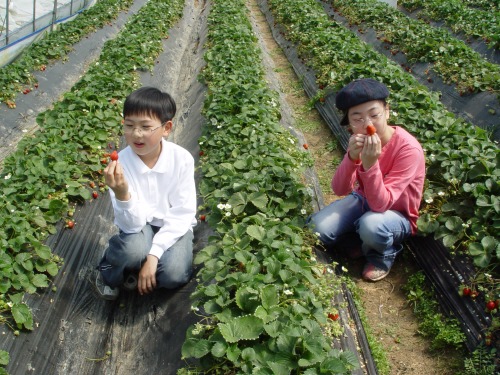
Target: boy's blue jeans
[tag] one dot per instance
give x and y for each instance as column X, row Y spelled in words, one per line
column 127, row 252
column 381, row 233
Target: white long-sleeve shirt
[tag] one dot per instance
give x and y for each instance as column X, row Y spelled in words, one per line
column 164, row 196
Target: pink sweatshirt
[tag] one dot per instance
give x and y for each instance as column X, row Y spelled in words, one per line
column 394, row 182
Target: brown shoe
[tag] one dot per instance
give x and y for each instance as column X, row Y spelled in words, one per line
column 373, row 273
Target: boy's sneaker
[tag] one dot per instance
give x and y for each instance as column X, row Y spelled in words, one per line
column 130, row 282
column 373, row 273
column 104, row 291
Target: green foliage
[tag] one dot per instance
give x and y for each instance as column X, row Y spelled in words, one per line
column 451, row 58
column 461, row 200
column 443, row 332
column 55, row 45
column 261, row 296
column 475, row 18
column 481, row 362
column 50, row 171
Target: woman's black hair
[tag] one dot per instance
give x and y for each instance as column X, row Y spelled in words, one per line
column 152, row 102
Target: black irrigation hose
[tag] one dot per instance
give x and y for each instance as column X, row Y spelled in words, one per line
column 445, row 273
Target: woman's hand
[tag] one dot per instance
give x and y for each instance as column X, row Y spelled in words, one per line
column 356, row 142
column 371, row 150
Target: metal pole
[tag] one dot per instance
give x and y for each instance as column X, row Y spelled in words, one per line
column 7, row 22
column 54, row 16
column 34, row 16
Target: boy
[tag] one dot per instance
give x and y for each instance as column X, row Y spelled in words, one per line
column 382, row 175
column 153, row 194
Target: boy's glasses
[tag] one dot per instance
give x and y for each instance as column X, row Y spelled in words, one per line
column 366, row 120
column 144, row 130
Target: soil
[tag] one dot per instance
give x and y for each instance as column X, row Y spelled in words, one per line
column 389, row 316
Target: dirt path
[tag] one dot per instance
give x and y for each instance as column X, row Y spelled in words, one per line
column 389, row 317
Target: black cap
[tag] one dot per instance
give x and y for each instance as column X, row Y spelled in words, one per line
column 357, row 92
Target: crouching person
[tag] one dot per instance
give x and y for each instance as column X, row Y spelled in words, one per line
column 153, row 194
column 381, row 178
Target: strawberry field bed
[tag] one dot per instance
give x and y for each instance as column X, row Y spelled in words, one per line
column 327, row 55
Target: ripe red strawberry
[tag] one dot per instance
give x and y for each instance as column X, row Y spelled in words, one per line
column 203, row 217
column 305, row 145
column 95, row 194
column 491, row 305
column 70, row 224
column 370, row 130
column 466, row 291
column 201, row 153
column 333, row 316
column 114, row 155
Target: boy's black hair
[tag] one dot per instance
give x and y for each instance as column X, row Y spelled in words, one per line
column 152, row 102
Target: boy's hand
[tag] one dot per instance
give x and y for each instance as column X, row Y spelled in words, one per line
column 147, row 275
column 115, row 179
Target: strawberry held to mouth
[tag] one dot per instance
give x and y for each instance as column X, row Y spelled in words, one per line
column 370, row 130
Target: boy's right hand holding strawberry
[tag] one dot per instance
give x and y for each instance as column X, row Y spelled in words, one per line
column 115, row 179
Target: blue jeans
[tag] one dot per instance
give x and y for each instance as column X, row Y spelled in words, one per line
column 379, row 233
column 127, row 252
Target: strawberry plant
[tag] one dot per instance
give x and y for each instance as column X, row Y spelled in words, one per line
column 45, row 177
column 55, row 45
column 266, row 311
column 479, row 19
column 452, row 59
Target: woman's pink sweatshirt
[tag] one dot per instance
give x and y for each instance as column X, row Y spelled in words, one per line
column 394, row 182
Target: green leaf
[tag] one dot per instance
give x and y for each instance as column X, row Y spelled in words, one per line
column 219, row 349
column 243, row 328
column 195, row 348
column 269, row 296
column 259, row 200
column 40, row 281
column 22, row 315
column 247, row 299
column 4, row 358
column 256, row 232
column 43, row 251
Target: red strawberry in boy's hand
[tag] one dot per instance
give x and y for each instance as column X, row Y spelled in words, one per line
column 114, row 156
column 370, row 130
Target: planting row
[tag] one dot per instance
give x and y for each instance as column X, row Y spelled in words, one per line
column 18, row 76
column 45, row 177
column 451, row 58
column 480, row 19
column 263, row 301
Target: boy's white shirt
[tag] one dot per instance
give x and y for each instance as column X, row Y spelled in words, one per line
column 164, row 196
